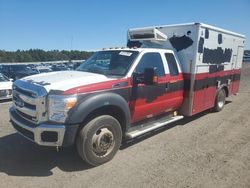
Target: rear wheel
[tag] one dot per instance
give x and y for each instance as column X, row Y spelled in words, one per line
column 220, row 100
column 99, row 140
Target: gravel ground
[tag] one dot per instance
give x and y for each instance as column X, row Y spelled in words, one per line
column 207, row 150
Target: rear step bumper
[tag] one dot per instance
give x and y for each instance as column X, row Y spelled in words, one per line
column 150, row 126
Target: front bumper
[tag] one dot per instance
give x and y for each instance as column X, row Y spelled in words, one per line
column 5, row 94
column 6, row 97
column 43, row 134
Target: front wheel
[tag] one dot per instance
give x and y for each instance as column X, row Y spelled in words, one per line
column 99, row 140
column 220, row 100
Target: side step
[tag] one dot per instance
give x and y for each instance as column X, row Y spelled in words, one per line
column 150, row 126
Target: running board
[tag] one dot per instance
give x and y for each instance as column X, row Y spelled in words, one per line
column 150, row 126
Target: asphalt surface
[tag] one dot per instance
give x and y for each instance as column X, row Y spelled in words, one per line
column 207, row 150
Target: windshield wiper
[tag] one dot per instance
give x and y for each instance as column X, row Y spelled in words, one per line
column 94, row 71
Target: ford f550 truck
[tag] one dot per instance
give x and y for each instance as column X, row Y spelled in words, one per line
column 164, row 73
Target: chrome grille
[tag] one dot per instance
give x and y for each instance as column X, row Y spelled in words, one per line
column 3, row 93
column 29, row 101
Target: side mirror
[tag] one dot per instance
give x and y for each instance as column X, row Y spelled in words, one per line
column 148, row 77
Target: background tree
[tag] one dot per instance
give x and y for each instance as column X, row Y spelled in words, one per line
column 38, row 55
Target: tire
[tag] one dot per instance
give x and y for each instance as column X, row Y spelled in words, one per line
column 220, row 100
column 99, row 140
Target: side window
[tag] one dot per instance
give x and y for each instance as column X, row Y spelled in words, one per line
column 172, row 65
column 151, row 60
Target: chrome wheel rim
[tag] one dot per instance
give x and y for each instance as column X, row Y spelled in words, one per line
column 221, row 100
column 103, row 142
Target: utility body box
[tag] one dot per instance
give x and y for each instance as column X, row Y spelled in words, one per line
column 210, row 58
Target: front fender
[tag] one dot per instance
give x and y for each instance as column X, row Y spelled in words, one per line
column 92, row 102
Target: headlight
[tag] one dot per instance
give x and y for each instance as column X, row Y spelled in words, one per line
column 59, row 105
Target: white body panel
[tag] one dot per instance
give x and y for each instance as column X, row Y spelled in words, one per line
column 6, row 87
column 184, row 39
column 64, row 80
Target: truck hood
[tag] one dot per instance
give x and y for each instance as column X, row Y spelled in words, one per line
column 65, row 80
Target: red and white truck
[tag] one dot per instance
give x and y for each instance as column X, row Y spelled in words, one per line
column 164, row 74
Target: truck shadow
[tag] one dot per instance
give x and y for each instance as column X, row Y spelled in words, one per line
column 181, row 122
column 19, row 157
column 145, row 136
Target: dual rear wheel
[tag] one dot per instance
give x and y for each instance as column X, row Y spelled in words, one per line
column 220, row 100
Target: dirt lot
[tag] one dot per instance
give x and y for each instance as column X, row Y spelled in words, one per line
column 208, row 150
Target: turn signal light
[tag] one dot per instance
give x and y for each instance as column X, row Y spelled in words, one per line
column 70, row 103
column 155, row 79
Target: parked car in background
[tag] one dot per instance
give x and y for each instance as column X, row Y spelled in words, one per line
column 5, row 87
column 43, row 69
column 59, row 67
column 17, row 71
column 77, row 64
column 246, row 57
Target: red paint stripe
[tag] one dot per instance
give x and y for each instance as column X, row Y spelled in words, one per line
column 107, row 85
column 216, row 74
column 167, row 78
column 204, row 99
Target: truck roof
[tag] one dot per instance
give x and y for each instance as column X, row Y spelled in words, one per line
column 190, row 24
column 138, row 49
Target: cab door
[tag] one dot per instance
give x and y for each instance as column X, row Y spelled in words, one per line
column 148, row 100
column 174, row 83
column 236, row 70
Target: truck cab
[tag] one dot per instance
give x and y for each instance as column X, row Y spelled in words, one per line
column 133, row 84
column 164, row 93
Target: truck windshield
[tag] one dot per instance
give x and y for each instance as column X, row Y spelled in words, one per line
column 109, row 63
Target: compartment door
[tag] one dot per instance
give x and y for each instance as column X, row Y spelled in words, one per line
column 236, row 70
